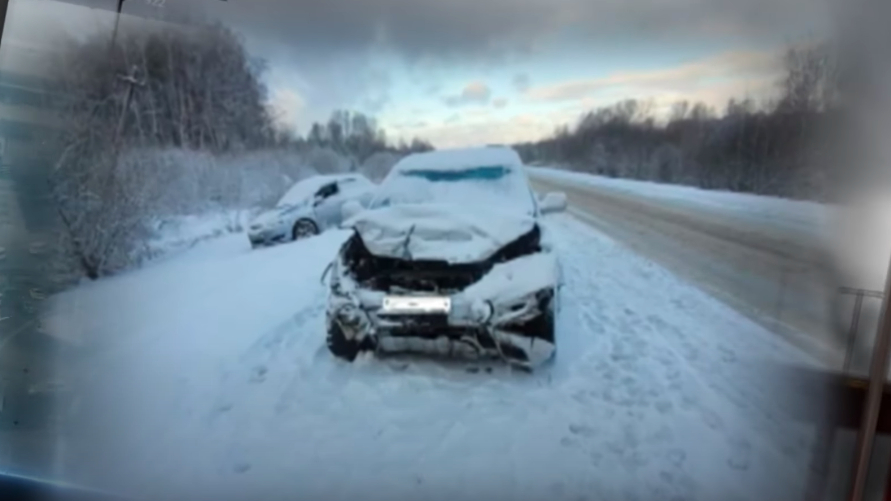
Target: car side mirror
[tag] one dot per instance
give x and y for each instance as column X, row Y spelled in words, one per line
column 349, row 209
column 553, row 202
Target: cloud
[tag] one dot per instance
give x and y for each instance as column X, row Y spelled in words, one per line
column 502, row 130
column 288, row 106
column 478, row 29
column 732, row 68
column 521, row 82
column 499, row 103
column 473, row 93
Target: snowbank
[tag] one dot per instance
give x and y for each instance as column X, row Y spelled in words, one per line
column 177, row 233
column 793, row 215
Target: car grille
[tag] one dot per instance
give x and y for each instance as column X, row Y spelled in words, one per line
column 419, row 280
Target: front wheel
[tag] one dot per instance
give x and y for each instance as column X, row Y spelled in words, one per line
column 339, row 345
column 304, row 228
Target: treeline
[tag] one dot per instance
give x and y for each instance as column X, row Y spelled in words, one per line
column 175, row 121
column 777, row 147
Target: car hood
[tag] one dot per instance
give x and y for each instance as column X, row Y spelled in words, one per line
column 438, row 232
column 274, row 215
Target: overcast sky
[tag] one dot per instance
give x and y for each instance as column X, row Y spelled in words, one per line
column 462, row 72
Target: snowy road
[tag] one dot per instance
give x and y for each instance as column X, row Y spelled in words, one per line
column 211, row 376
column 768, row 263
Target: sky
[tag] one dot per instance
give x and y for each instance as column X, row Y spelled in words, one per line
column 468, row 72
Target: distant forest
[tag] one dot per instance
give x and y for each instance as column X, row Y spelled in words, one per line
column 174, row 122
column 778, row 147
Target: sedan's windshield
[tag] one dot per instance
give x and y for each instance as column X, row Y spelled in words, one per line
column 488, row 186
column 301, row 193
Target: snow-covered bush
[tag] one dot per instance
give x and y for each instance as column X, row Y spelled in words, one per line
column 378, row 165
column 327, row 161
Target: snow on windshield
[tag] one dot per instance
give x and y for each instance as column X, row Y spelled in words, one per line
column 303, row 190
column 489, row 186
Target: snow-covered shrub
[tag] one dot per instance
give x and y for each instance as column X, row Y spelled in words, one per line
column 378, row 165
column 327, row 161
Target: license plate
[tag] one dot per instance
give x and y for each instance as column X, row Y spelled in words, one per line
column 416, row 305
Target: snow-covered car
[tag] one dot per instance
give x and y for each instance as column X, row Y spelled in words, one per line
column 309, row 207
column 451, row 257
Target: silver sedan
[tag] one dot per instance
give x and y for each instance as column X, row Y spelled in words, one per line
column 309, row 208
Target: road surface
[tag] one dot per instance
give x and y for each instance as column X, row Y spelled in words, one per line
column 774, row 277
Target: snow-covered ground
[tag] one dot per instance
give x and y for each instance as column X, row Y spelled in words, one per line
column 210, row 375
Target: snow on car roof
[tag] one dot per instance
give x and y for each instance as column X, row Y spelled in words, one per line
column 460, row 158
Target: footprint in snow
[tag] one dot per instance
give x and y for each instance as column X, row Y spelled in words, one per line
column 727, row 355
column 676, row 457
column 712, row 420
column 258, row 375
column 741, row 452
column 664, row 406
column 582, row 430
column 596, row 458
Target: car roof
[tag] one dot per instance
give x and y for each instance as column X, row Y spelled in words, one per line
column 307, row 186
column 460, row 158
column 320, row 179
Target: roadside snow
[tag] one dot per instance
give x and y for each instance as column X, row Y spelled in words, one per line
column 791, row 215
column 182, row 232
column 210, row 377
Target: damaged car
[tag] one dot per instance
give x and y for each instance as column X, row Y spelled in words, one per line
column 309, row 208
column 451, row 257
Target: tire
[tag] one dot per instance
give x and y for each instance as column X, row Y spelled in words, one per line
column 546, row 323
column 339, row 345
column 304, row 228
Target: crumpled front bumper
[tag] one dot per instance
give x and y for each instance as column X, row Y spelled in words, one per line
column 490, row 318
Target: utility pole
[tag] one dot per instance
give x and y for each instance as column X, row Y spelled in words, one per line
column 132, row 82
column 117, row 20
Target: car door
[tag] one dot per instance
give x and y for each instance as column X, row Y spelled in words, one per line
column 327, row 204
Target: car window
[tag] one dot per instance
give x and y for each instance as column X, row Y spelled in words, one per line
column 327, row 191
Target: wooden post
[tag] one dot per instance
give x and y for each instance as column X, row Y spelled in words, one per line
column 852, row 332
column 878, row 374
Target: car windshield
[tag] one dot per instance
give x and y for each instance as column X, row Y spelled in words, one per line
column 489, row 186
column 301, row 192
